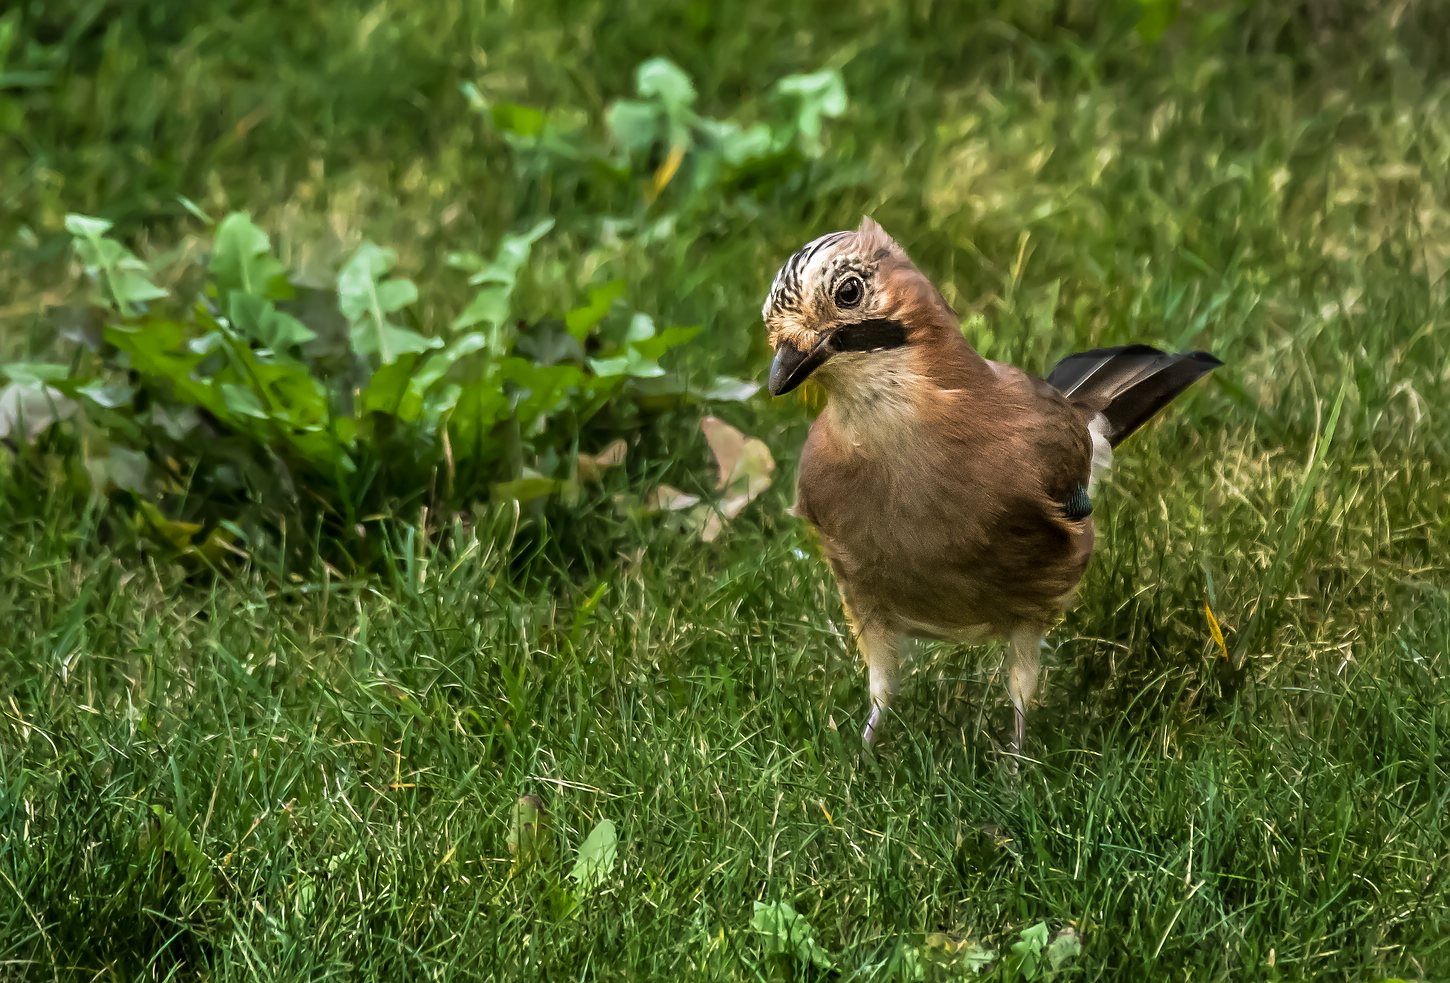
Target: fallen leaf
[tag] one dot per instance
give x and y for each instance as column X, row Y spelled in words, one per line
column 958, row 954
column 1214, row 629
column 727, row 389
column 591, row 466
column 667, row 498
column 666, row 171
column 596, row 858
column 28, row 409
column 746, row 470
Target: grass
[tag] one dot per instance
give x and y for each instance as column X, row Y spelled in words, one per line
column 335, row 761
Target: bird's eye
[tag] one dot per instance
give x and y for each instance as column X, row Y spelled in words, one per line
column 849, row 292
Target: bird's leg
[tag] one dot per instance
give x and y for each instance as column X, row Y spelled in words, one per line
column 881, row 650
column 1023, row 662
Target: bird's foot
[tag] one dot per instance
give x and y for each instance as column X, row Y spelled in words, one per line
column 1019, row 738
column 873, row 726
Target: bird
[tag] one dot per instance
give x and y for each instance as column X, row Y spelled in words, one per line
column 950, row 495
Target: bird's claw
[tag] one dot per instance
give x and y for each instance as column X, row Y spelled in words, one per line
column 873, row 724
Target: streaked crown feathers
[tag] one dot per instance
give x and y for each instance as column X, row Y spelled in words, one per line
column 806, row 279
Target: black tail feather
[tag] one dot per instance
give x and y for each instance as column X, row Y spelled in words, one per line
column 1128, row 385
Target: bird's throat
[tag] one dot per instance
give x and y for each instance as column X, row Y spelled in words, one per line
column 876, row 400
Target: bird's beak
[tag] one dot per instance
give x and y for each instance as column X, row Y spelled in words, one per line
column 792, row 366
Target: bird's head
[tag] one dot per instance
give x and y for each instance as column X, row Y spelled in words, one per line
column 839, row 303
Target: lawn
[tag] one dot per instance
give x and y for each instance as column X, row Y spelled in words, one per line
column 286, row 766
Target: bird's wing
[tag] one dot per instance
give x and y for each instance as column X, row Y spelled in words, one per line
column 1052, row 437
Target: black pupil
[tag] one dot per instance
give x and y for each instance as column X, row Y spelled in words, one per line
column 848, row 294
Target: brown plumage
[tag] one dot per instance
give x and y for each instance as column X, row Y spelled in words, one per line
column 949, row 492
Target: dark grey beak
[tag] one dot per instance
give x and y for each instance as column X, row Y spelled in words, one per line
column 792, row 366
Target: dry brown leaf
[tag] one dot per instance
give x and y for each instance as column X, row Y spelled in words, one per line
column 746, row 466
column 591, row 466
column 667, row 498
column 746, row 470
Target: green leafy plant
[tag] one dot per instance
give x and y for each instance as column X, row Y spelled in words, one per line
column 661, row 146
column 221, row 409
column 595, row 861
column 785, row 932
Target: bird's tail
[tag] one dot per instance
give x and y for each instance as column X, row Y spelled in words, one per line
column 1128, row 385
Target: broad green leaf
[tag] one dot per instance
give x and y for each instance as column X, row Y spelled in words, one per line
column 490, row 306
column 242, row 261
column 295, row 409
column 904, row 963
column 663, row 80
column 497, row 279
column 671, row 337
column 390, row 391
column 111, row 396
column 243, row 401
column 258, row 318
column 632, row 363
column 817, row 96
column 597, row 855
column 402, row 388
column 524, row 121
column 727, row 389
column 787, row 933
column 437, row 365
column 395, row 294
column 539, row 390
column 132, row 289
column 1155, row 17
column 526, row 488
column 1064, row 947
column 583, row 320
column 740, row 145
column 300, row 402
column 480, row 407
column 636, row 126
column 367, row 300
column 549, row 345
column 511, row 255
column 35, row 373
column 467, row 260
column 641, row 327
column 121, row 279
column 84, row 226
column 195, row 868
column 1027, row 950
column 160, row 351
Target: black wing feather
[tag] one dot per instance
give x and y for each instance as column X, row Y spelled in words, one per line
column 1128, row 385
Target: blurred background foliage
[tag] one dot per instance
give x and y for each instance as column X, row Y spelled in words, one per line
column 1073, row 174
column 328, row 203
